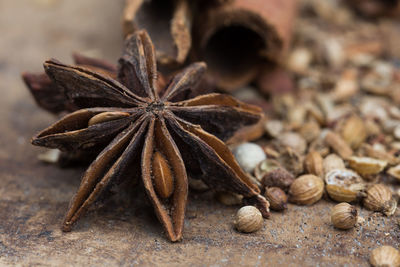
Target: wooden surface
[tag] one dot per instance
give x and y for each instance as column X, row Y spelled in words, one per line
column 34, row 196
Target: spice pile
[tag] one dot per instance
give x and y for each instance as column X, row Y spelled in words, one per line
column 336, row 129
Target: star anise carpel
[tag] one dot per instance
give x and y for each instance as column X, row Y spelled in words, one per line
column 144, row 134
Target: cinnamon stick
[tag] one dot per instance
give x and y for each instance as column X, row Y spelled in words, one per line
column 168, row 23
column 236, row 37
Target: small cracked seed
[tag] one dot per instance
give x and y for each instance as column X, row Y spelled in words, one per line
column 366, row 166
column 344, row 185
column 265, row 167
column 385, row 256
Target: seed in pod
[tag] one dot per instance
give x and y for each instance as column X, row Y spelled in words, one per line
column 248, row 219
column 276, row 197
column 385, row 256
column 332, row 162
column 107, row 116
column 265, row 167
column 379, row 198
column 344, row 185
column 163, row 178
column 344, row 216
column 249, row 155
column 306, row 190
column 366, row 166
column 278, row 178
column 314, row 163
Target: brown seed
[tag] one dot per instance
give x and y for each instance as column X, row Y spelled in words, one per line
column 291, row 161
column 320, row 146
column 353, row 131
column 382, row 154
column 107, row 116
column 295, row 116
column 366, row 166
column 248, row 219
column 310, row 130
column 293, row 140
column 265, row 167
column 333, row 162
column 314, row 163
column 372, row 127
column 385, row 256
column 306, row 190
column 344, row 185
column 338, row 145
column 163, row 179
column 277, row 198
column 379, row 198
column 394, row 172
column 344, row 216
column 273, row 127
column 278, row 178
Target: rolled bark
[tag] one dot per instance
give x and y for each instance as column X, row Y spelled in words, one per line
column 168, row 23
column 236, row 37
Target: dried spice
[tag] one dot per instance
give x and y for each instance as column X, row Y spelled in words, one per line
column 216, row 31
column 162, row 137
column 306, row 190
column 385, row 256
column 344, row 216
column 278, row 177
column 379, row 198
column 277, row 198
column 51, row 97
column 344, row 185
column 314, row 164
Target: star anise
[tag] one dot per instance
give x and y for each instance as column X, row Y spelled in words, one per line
column 147, row 134
column 51, row 97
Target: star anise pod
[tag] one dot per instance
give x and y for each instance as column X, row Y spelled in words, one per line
column 51, row 97
column 147, row 134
